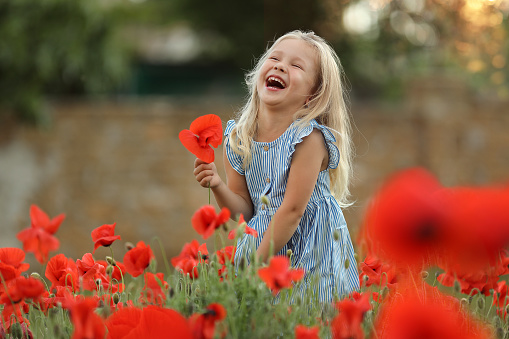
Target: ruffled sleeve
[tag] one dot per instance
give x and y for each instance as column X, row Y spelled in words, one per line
column 234, row 159
column 332, row 149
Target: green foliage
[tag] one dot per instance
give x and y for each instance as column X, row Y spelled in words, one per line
column 55, row 47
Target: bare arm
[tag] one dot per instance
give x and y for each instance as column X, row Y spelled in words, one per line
column 309, row 158
column 233, row 194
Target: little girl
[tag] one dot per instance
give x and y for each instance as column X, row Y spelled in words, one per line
column 291, row 144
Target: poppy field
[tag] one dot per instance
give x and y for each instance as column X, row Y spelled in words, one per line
column 432, row 264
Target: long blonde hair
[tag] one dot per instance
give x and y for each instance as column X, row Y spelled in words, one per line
column 327, row 106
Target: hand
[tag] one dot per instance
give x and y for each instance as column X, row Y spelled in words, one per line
column 206, row 174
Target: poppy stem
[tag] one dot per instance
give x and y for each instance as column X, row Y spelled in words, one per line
column 209, row 193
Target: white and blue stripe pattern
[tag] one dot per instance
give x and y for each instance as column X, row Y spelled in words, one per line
column 313, row 245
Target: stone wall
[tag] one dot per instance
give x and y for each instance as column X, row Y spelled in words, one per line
column 121, row 161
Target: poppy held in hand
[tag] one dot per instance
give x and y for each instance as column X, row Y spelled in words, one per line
column 205, row 221
column 279, row 275
column 104, row 236
column 204, row 132
column 138, row 258
column 39, row 238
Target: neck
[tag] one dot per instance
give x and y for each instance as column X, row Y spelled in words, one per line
column 271, row 124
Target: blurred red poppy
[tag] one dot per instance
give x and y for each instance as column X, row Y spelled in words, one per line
column 405, row 223
column 242, row 224
column 375, row 272
column 204, row 132
column 303, row 332
column 347, row 324
column 87, row 323
column 226, row 254
column 279, row 275
column 480, row 216
column 191, row 255
column 38, row 239
column 62, row 271
column 424, row 312
column 205, row 220
column 11, row 263
column 29, row 288
column 147, row 323
column 138, row 258
column 203, row 325
column 154, row 291
column 104, row 236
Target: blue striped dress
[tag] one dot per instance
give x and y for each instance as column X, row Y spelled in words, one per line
column 313, row 245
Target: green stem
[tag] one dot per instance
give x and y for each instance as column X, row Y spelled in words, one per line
column 163, row 252
column 209, row 193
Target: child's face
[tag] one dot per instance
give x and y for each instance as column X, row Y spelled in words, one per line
column 288, row 76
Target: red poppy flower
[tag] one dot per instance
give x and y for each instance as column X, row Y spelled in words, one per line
column 226, row 254
column 138, row 258
column 406, row 221
column 191, row 255
column 204, row 325
column 204, row 131
column 247, row 230
column 428, row 314
column 347, row 324
column 155, row 289
column 38, row 239
column 11, row 263
column 149, row 322
column 104, row 236
column 279, row 275
column 377, row 272
column 62, row 271
column 29, row 288
column 303, row 332
column 87, row 323
column 480, row 215
column 118, row 269
column 205, row 221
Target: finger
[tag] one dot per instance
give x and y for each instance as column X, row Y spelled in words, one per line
column 204, row 174
column 201, row 168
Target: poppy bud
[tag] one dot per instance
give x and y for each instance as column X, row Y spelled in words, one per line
column 356, row 256
column 500, row 332
column 336, row 235
column 480, row 303
column 16, row 331
column 35, row 275
column 128, row 246
column 424, row 274
column 289, row 253
column 110, row 261
column 347, row 263
column 365, row 278
column 384, row 291
column 109, row 270
column 265, row 200
column 116, row 298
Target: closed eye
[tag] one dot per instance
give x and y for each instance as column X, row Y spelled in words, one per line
column 274, row 58
column 298, row 66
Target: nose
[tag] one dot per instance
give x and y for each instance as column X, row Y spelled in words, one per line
column 279, row 67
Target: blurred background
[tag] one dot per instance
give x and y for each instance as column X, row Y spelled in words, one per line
column 93, row 94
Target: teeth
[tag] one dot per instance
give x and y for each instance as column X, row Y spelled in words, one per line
column 278, row 80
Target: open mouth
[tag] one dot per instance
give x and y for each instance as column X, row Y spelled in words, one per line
column 275, row 83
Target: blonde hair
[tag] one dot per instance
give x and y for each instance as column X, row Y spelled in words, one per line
column 327, row 106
